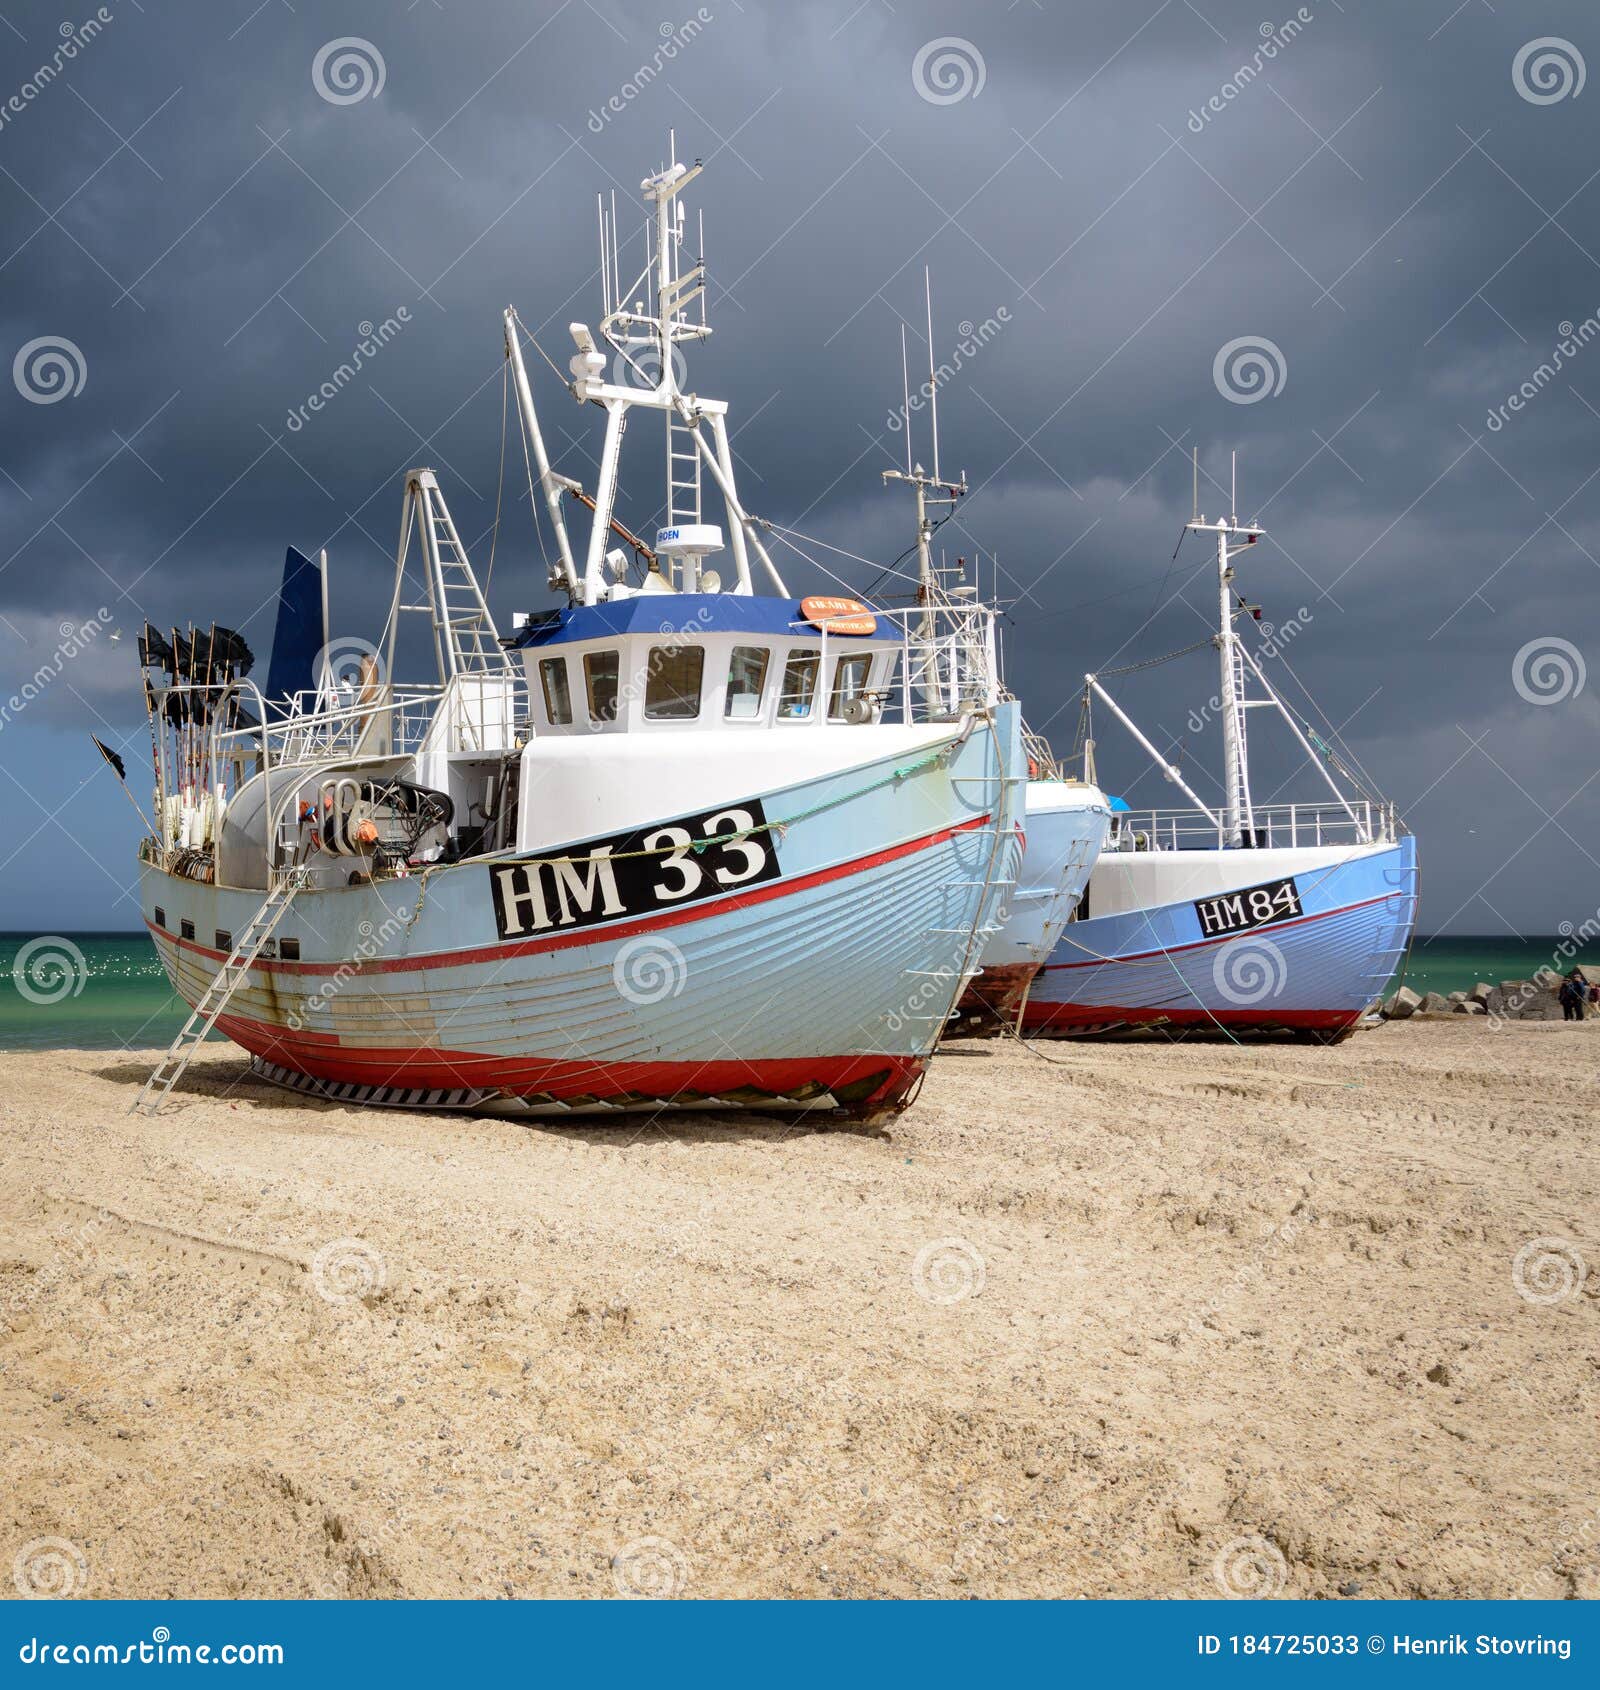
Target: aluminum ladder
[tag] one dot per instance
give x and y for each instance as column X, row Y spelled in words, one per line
column 683, row 470
column 229, row 978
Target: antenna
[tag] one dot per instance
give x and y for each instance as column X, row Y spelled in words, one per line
column 605, row 279
column 703, row 289
column 905, row 393
column 933, row 386
column 1233, row 494
column 1194, row 508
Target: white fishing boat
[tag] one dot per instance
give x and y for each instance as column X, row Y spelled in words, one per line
column 1245, row 917
column 672, row 843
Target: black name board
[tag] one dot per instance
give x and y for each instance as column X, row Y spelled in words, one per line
column 1254, row 906
column 633, row 874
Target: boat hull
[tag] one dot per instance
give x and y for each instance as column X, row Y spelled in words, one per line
column 1065, row 826
column 823, row 986
column 1314, row 972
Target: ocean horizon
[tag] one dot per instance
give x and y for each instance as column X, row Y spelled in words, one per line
column 105, row 989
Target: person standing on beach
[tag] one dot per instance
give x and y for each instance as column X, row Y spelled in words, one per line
column 1574, row 994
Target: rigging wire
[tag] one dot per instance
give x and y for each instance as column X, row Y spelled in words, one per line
column 494, row 533
column 810, row 539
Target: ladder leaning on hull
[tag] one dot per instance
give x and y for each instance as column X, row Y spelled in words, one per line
column 229, row 978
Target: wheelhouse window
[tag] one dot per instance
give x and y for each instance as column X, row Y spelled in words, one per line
column 600, row 677
column 849, row 682
column 672, row 684
column 557, row 691
column 799, row 685
column 747, row 680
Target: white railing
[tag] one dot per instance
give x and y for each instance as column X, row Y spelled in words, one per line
column 1277, row 827
column 947, row 662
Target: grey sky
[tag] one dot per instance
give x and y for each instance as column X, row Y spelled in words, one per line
column 1380, row 200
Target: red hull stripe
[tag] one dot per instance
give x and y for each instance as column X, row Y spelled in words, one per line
column 1220, row 939
column 596, row 935
column 1041, row 1016
column 528, row 1076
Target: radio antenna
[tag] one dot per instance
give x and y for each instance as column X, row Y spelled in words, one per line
column 1194, row 507
column 933, row 386
column 1233, row 493
column 605, row 274
column 905, row 393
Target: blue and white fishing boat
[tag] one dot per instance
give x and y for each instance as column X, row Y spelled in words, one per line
column 671, row 844
column 1259, row 918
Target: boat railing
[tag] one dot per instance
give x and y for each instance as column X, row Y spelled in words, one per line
column 947, row 662
column 471, row 713
column 1276, row 827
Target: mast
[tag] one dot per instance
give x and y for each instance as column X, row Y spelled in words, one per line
column 552, row 484
column 929, row 490
column 651, row 318
column 1238, row 818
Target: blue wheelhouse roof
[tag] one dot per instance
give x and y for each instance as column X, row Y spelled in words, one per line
column 680, row 613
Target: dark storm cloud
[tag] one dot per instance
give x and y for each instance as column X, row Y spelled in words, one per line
column 1376, row 199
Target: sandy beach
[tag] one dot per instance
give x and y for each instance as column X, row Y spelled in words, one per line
column 1102, row 1321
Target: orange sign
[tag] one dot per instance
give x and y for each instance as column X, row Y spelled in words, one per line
column 839, row 616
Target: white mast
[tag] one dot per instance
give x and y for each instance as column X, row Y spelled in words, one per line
column 554, row 485
column 661, row 330
column 1238, row 817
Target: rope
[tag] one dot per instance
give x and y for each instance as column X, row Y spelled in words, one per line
column 1151, row 662
column 932, row 760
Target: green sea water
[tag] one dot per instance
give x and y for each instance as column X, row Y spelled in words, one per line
column 106, row 991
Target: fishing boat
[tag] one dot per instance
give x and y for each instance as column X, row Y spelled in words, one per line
column 1064, row 822
column 1248, row 918
column 671, row 844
